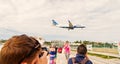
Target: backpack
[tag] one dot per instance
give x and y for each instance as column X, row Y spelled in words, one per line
column 81, row 62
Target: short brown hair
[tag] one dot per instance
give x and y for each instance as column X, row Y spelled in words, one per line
column 17, row 48
column 82, row 49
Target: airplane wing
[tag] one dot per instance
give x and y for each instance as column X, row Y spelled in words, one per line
column 70, row 24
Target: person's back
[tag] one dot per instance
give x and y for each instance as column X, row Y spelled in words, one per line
column 81, row 57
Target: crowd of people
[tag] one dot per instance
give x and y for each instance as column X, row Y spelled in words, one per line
column 23, row 49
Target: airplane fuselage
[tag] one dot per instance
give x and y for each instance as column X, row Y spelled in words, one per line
column 69, row 27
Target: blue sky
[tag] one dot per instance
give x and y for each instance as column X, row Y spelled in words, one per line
column 101, row 18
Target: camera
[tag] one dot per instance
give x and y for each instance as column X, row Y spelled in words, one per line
column 44, row 49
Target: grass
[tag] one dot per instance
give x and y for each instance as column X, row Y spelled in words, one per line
column 113, row 51
column 102, row 56
column 106, row 50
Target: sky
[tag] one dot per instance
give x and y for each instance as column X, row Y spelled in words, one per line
column 101, row 18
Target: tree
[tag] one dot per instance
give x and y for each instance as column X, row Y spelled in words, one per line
column 3, row 41
column 86, row 42
column 47, row 43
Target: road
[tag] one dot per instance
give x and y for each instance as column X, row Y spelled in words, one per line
column 96, row 60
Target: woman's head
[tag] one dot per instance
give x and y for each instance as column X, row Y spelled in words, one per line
column 20, row 49
column 82, row 49
column 66, row 43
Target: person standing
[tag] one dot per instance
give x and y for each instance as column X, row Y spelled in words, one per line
column 67, row 50
column 52, row 54
column 81, row 56
column 56, row 53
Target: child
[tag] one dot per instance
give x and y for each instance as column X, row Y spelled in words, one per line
column 52, row 55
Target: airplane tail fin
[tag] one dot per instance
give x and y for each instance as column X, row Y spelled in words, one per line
column 54, row 22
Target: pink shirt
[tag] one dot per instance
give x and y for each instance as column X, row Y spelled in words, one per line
column 67, row 49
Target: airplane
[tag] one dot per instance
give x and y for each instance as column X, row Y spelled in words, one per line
column 69, row 27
